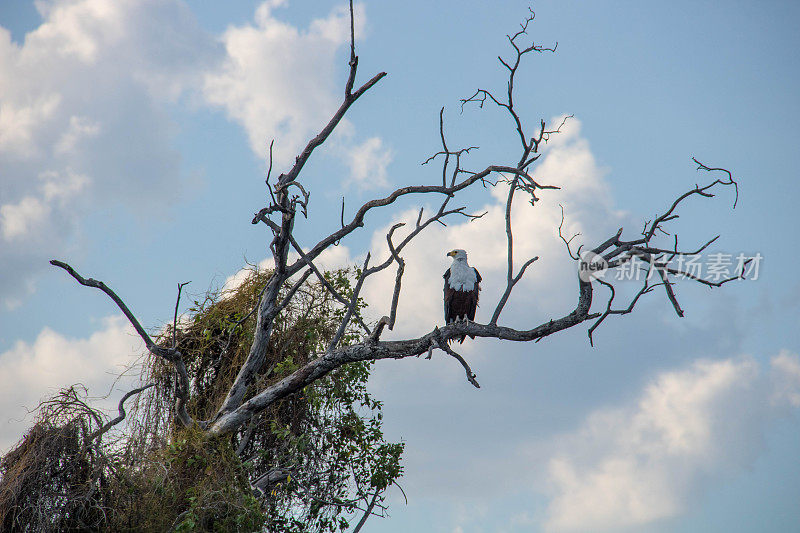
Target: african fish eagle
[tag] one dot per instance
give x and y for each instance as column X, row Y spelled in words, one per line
column 461, row 286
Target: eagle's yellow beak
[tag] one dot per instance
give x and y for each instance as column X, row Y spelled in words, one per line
column 451, row 253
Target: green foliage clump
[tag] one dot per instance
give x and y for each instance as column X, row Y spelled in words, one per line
column 317, row 457
column 193, row 484
column 322, row 451
column 311, row 462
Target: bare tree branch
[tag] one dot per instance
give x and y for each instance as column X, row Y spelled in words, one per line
column 281, row 243
column 358, row 219
column 442, row 344
column 644, row 290
column 170, row 354
column 330, row 288
column 454, row 180
column 567, row 242
column 511, row 279
column 121, row 409
column 151, row 346
column 401, row 349
column 352, row 307
column 401, row 265
column 369, row 351
column 175, row 316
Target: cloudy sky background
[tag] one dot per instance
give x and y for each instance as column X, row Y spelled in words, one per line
column 133, row 136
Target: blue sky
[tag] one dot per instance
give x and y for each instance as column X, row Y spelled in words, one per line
column 133, row 137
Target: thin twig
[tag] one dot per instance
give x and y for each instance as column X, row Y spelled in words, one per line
column 441, row 342
column 175, row 317
column 351, row 308
column 121, row 410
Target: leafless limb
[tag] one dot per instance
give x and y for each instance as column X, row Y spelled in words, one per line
column 576, row 255
column 447, row 153
column 269, row 173
column 352, row 307
column 709, row 283
column 670, row 293
column 530, row 148
column 609, row 249
column 617, row 252
column 511, row 279
column 281, row 243
column 330, row 288
column 401, row 265
column 528, row 145
column 170, row 354
column 152, row 346
column 455, row 179
column 441, row 343
column 121, row 409
column 367, row 351
column 729, row 181
column 644, row 290
column 175, row 316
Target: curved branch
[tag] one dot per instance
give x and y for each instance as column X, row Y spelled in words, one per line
column 121, row 409
column 159, row 351
column 358, row 219
column 367, row 513
column 351, row 308
column 368, row 351
column 401, row 266
column 170, row 354
column 175, row 316
column 511, row 279
column 442, row 345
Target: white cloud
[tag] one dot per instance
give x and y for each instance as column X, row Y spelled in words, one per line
column 32, row 371
column 278, row 81
column 630, row 466
column 18, row 121
column 233, row 281
column 87, row 93
column 85, row 96
column 333, row 258
column 368, row 162
column 79, row 127
column 29, row 218
column 282, row 83
column 786, row 371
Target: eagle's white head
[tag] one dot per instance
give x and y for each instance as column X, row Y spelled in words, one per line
column 458, row 255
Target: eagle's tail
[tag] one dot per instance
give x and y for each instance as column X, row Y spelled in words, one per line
column 461, row 340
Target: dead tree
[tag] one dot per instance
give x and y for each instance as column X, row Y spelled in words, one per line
column 290, row 198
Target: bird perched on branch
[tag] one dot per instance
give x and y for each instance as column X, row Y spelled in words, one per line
column 461, row 287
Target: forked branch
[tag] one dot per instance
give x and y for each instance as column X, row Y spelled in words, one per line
column 170, row 354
